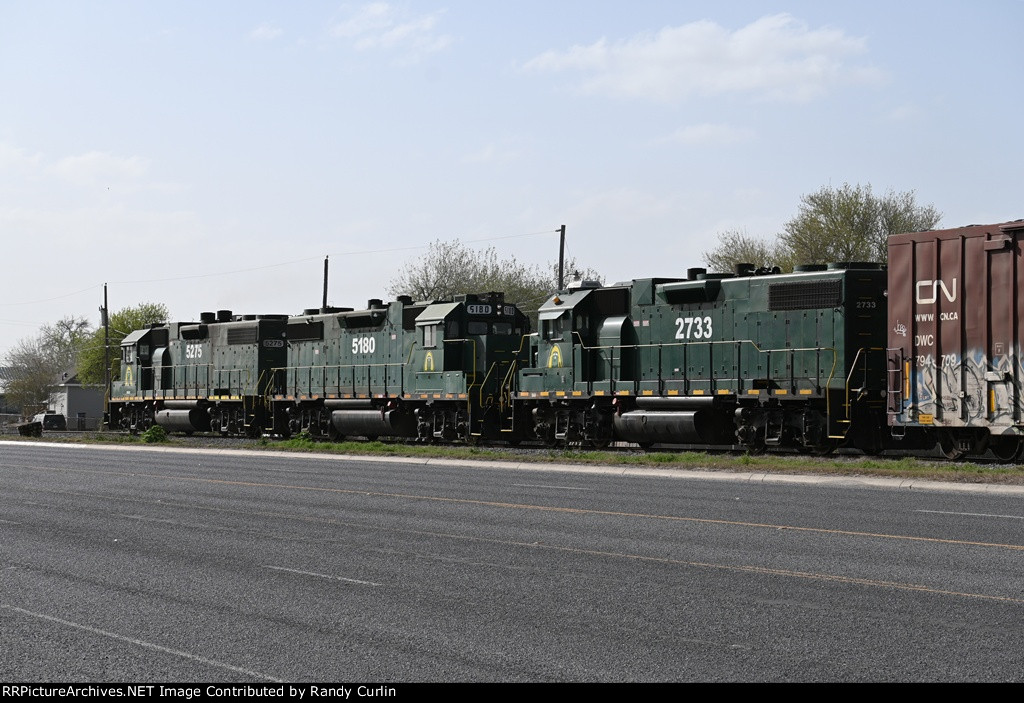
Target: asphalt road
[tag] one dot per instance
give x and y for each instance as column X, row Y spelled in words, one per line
column 126, row 564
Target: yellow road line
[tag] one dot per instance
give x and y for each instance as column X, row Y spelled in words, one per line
column 545, row 508
column 743, row 568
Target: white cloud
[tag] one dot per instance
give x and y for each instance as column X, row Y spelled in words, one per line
column 710, row 134
column 622, row 203
column 380, row 25
column 491, row 154
column 266, row 32
column 21, row 171
column 12, row 157
column 777, row 57
column 903, row 113
column 99, row 168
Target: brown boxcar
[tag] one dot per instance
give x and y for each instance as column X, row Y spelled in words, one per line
column 955, row 336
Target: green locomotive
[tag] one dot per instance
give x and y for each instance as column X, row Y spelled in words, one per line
column 430, row 370
column 756, row 358
column 214, row 374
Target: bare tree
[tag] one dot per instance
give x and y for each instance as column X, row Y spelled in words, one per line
column 37, row 363
column 850, row 223
column 738, row 247
column 451, row 268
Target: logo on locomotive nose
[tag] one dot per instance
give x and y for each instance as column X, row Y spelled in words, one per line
column 926, row 292
column 555, row 358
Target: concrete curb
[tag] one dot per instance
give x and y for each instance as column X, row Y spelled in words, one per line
column 679, row 473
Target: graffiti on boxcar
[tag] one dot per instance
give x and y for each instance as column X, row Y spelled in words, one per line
column 970, row 386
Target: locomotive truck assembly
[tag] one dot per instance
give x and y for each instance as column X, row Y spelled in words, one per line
column 925, row 351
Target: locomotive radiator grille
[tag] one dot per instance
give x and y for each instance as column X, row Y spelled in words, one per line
column 805, row 295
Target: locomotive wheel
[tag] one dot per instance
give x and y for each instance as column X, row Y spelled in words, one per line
column 599, row 443
column 950, row 447
column 823, row 449
column 756, row 448
column 1006, row 449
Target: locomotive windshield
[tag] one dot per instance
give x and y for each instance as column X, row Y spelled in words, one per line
column 483, row 327
column 553, row 328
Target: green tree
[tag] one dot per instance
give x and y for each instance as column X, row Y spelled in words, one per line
column 451, row 268
column 38, row 363
column 122, row 322
column 851, row 223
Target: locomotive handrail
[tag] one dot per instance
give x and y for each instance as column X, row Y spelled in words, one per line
column 510, row 376
column 710, row 342
column 294, row 386
column 469, row 386
column 208, row 371
column 506, row 384
column 239, row 381
column 853, row 369
column 483, row 383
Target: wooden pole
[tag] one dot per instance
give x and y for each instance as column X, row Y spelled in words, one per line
column 561, row 258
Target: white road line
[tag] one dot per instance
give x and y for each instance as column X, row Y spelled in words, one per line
column 322, row 576
column 141, row 643
column 540, row 485
column 142, row 518
column 946, row 512
column 10, row 522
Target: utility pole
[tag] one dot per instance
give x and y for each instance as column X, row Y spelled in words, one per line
column 561, row 258
column 106, row 352
column 325, row 282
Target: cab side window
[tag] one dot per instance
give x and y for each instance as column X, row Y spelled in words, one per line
column 430, row 336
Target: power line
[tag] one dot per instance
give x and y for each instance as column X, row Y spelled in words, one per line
column 56, row 297
column 317, row 258
column 268, row 266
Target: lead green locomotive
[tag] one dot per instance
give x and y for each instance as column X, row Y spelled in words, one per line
column 214, row 374
column 755, row 358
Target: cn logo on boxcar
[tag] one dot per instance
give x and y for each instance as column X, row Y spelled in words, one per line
column 927, row 298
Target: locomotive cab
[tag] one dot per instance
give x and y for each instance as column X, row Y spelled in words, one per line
column 132, row 391
column 467, row 351
column 584, row 351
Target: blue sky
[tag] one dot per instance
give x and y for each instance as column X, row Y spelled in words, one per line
column 209, row 155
